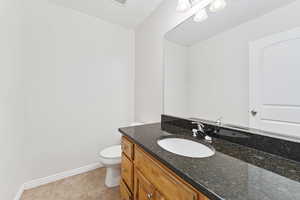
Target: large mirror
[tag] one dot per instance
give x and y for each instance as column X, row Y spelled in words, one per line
column 240, row 65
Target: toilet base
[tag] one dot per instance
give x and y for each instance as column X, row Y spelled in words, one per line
column 112, row 178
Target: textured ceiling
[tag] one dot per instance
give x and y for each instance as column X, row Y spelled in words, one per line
column 129, row 15
column 236, row 13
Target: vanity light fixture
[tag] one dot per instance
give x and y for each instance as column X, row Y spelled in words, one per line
column 121, row 2
column 217, row 5
column 183, row 5
column 201, row 15
column 200, row 7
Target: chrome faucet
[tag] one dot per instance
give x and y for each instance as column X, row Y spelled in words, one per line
column 200, row 127
column 200, row 130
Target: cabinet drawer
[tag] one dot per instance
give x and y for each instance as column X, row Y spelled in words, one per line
column 127, row 148
column 167, row 184
column 143, row 189
column 125, row 193
column 127, row 172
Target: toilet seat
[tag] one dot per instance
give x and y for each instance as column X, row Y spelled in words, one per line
column 111, row 156
column 111, row 152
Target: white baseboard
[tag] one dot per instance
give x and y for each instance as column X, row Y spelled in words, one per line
column 19, row 193
column 49, row 179
column 55, row 177
column 59, row 176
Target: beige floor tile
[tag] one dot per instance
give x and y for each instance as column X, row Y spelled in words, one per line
column 87, row 186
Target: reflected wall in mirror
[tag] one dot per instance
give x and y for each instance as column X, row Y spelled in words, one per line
column 241, row 64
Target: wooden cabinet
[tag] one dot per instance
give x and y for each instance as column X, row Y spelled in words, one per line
column 127, row 148
column 125, row 193
column 127, row 171
column 144, row 190
column 169, row 185
column 145, row 178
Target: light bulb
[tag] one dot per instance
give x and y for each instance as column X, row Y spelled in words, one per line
column 200, row 16
column 217, row 5
column 183, row 5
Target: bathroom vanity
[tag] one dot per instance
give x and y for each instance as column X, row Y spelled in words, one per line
column 144, row 177
column 235, row 172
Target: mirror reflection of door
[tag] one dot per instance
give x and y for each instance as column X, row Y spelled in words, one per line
column 208, row 72
column 275, row 82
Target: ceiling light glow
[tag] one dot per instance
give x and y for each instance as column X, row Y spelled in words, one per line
column 217, row 5
column 183, row 5
column 200, row 16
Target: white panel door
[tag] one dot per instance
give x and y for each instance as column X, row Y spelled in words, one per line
column 275, row 83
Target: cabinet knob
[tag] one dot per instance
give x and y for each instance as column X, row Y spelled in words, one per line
column 149, row 195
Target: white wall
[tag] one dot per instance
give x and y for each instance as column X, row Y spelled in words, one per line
column 12, row 173
column 79, row 76
column 175, row 79
column 219, row 66
column 66, row 85
column 149, row 59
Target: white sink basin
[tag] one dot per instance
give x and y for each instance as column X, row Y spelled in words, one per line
column 185, row 147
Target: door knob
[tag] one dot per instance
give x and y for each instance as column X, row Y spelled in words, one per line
column 254, row 113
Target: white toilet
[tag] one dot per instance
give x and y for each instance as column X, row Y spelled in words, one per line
column 111, row 159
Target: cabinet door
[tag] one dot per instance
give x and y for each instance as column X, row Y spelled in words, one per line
column 125, row 193
column 143, row 189
column 171, row 187
column 159, row 196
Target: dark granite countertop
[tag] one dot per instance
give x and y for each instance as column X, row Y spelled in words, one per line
column 235, row 172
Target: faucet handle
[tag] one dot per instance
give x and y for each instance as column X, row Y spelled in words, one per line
column 208, row 138
column 219, row 121
column 199, row 124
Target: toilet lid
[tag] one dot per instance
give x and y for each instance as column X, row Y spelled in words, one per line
column 112, row 152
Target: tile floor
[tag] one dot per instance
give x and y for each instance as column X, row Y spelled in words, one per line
column 87, row 186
